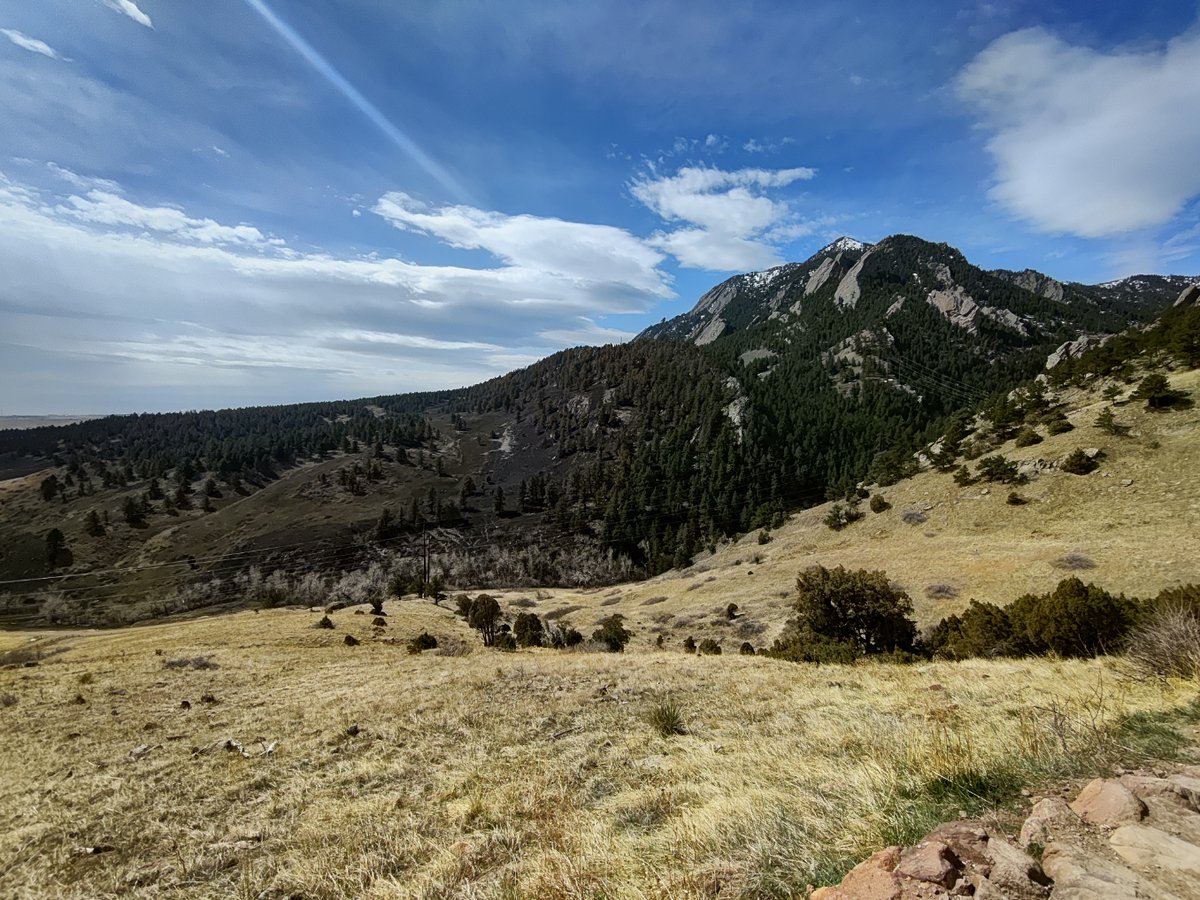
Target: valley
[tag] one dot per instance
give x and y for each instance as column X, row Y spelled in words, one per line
column 303, row 697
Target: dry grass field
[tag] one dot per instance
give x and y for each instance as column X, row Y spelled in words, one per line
column 528, row 774
column 251, row 755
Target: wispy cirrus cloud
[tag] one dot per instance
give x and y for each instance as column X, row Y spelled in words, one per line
column 729, row 221
column 1087, row 142
column 33, row 45
column 130, row 9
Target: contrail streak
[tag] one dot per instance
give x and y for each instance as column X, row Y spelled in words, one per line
column 351, row 93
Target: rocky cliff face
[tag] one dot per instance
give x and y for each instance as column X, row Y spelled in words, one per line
column 1189, row 296
column 854, row 279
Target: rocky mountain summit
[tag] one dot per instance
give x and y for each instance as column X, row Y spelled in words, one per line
column 902, row 275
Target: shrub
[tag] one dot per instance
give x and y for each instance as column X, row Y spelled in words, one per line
column 983, row 629
column 747, row 649
column 324, row 622
column 731, row 611
column 1156, row 390
column 1078, row 463
column 1059, row 425
column 612, row 633
column 941, row 591
column 1107, row 422
column 963, row 478
column 841, row 613
column 842, row 514
column 689, row 644
column 1167, row 644
column 914, row 517
column 1073, row 620
column 528, row 630
column 709, row 647
column 505, row 641
column 1015, row 499
column 666, row 717
column 998, row 469
column 195, row 662
column 423, row 641
column 1027, row 437
column 879, row 504
column 764, row 537
column 563, row 636
column 1073, row 562
column 484, row 617
column 974, row 449
column 1187, row 595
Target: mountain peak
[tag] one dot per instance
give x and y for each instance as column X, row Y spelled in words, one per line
column 842, row 244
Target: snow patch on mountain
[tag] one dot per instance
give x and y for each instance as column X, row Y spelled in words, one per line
column 844, row 244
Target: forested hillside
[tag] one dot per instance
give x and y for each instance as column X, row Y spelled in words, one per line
column 780, row 390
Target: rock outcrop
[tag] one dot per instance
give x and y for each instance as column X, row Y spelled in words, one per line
column 1071, row 349
column 848, row 289
column 1136, row 837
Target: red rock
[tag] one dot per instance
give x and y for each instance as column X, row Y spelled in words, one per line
column 1105, row 802
column 932, row 861
column 871, row 879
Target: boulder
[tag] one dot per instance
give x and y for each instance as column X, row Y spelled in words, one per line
column 1144, row 848
column 872, row 879
column 930, row 861
column 1047, row 819
column 1107, row 802
column 1080, row 875
column 1178, row 789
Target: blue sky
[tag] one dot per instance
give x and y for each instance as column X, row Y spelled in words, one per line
column 258, row 201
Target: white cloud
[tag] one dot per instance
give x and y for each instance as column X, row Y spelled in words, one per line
column 589, row 253
column 106, row 208
column 753, row 145
column 159, row 307
column 1086, row 142
column 33, row 45
column 728, row 217
column 586, row 332
column 129, row 8
column 84, row 182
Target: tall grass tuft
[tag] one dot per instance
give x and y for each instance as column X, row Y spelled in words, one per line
column 666, row 717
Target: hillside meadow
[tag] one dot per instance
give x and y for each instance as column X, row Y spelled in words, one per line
column 307, row 767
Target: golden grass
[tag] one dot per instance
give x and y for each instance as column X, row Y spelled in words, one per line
column 531, row 774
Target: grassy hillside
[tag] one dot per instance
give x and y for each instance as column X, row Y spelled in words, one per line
column 1138, row 538
column 252, row 755
column 528, row 774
